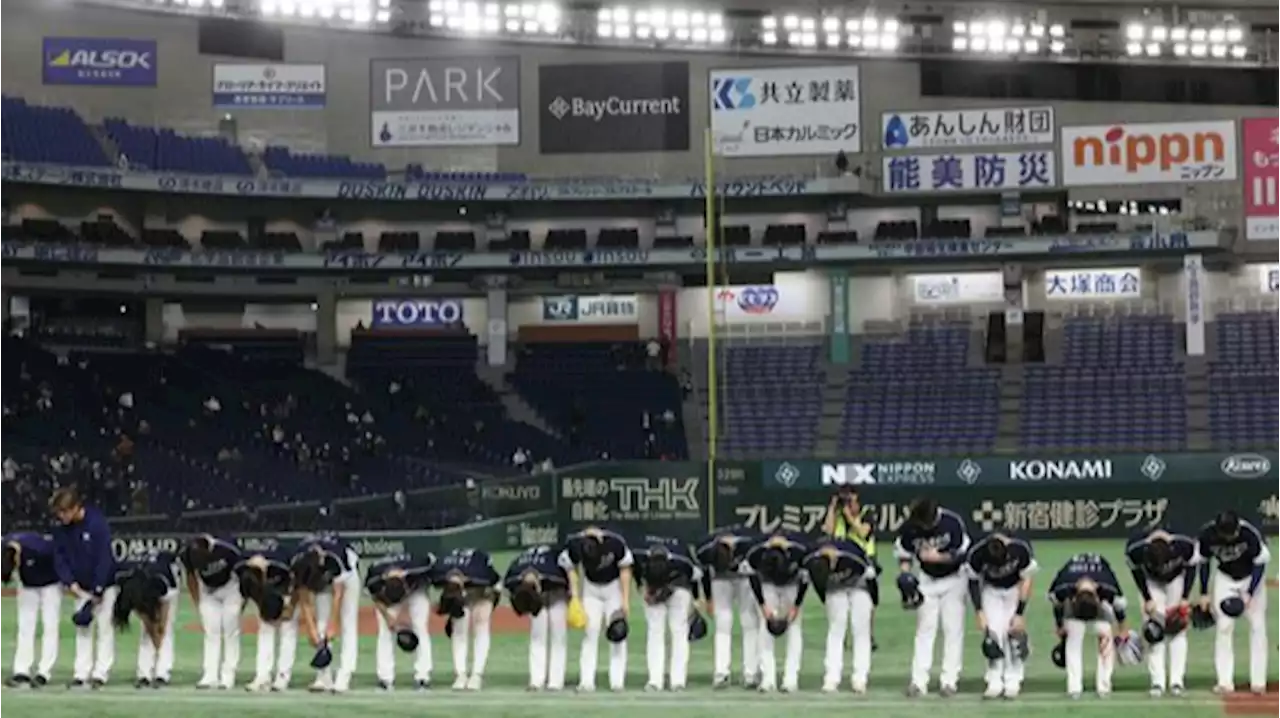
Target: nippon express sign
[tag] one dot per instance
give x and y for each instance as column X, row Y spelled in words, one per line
column 601, row 309
column 410, row 313
column 99, row 61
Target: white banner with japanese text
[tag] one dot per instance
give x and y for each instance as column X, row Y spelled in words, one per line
column 782, row 111
column 268, row 87
column 926, row 129
column 975, row 172
column 1114, row 283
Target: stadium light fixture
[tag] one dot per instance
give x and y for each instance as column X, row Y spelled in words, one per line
column 473, row 17
column 1002, row 36
column 661, row 25
column 1218, row 41
column 832, row 31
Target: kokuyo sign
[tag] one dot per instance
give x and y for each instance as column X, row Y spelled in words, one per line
column 1149, row 153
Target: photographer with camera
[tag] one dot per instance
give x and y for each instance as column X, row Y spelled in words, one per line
column 847, row 519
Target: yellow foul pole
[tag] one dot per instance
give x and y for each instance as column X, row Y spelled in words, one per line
column 713, row 439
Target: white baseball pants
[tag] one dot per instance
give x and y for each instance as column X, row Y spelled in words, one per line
column 781, row 599
column 418, row 605
column 100, row 635
column 1224, row 656
column 549, row 646
column 728, row 594
column 157, row 661
column 1166, row 596
column 1076, row 630
column 600, row 601
column 848, row 609
column 348, row 648
column 472, row 628
column 1000, row 606
column 671, row 615
column 944, row 603
column 220, row 619
column 37, row 607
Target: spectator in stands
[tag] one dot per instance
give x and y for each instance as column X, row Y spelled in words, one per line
column 686, row 384
column 10, row 469
column 212, row 405
column 520, row 459
column 653, row 355
column 126, row 400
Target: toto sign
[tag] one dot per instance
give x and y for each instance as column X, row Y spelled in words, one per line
column 1246, row 466
column 416, row 312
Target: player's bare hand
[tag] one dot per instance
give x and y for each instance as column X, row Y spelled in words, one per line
column 981, row 620
column 1204, row 602
column 792, row 614
column 768, row 613
column 1060, row 633
column 1149, row 608
column 331, row 633
column 1018, row 624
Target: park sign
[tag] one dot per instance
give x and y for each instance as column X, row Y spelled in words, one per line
column 1017, row 470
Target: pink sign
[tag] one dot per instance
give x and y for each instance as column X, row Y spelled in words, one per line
column 668, row 325
column 1261, row 163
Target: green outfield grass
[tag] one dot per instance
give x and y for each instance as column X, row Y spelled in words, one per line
column 506, row 677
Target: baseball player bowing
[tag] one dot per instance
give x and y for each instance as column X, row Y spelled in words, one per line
column 1000, row 570
column 326, row 594
column 1163, row 567
column 149, row 588
column 39, row 605
column 1242, row 555
column 265, row 581
column 665, row 569
column 539, row 589
column 208, row 564
column 1084, row 593
column 778, row 584
column 604, row 561
column 398, row 586
column 726, row 587
column 86, row 568
column 844, row 578
column 936, row 539
column 469, row 587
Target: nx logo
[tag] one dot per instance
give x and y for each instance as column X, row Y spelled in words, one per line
column 560, row 107
column 840, row 474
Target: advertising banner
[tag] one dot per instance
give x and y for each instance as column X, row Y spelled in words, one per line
column 985, row 127
column 622, row 107
column 445, row 101
column 959, row 288
column 838, row 285
column 784, row 111
column 600, row 309
column 668, row 324
column 1261, row 163
column 1195, row 285
column 113, row 61
column 985, row 172
column 270, row 87
column 1268, row 278
column 985, row 470
column 1123, row 283
column 1054, row 511
column 756, row 302
column 500, row 534
column 663, row 498
column 435, row 313
column 1149, row 153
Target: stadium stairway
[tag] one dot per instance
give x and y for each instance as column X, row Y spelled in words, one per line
column 1199, row 435
column 517, row 408
column 108, row 145
column 1012, row 391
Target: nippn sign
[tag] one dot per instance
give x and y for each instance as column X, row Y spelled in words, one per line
column 1149, row 153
